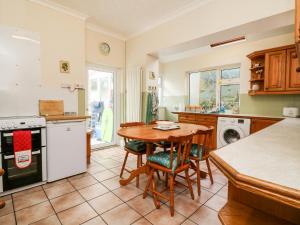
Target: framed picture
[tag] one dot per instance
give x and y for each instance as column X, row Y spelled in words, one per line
column 64, row 66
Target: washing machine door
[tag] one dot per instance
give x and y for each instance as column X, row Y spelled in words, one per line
column 229, row 134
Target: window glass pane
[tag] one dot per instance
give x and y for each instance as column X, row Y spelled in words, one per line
column 203, row 88
column 230, row 73
column 230, row 98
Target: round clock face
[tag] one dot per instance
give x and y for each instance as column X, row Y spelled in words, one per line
column 104, row 48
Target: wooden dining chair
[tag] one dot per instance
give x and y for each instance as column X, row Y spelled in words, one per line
column 2, row 203
column 171, row 162
column 134, row 147
column 199, row 152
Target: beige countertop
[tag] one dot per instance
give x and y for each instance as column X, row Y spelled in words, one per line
column 230, row 115
column 271, row 155
column 66, row 117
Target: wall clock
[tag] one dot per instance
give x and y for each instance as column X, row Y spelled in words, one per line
column 104, row 48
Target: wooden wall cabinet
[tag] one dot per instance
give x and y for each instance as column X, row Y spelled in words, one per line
column 275, row 64
column 278, row 71
column 258, row 124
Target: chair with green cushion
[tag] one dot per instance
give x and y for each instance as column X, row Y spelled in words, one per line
column 134, row 147
column 171, row 162
column 200, row 152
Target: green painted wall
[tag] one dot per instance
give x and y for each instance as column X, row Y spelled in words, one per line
column 270, row 105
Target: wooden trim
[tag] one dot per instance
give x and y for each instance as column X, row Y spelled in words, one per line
column 263, row 52
column 228, row 41
column 253, row 93
column 266, row 189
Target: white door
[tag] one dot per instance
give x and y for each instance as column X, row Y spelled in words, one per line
column 102, row 106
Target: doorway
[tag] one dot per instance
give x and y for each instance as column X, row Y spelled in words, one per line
column 101, row 106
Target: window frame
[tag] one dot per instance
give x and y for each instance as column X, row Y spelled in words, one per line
column 220, row 82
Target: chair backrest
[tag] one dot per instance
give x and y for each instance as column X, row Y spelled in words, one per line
column 203, row 139
column 130, row 124
column 182, row 146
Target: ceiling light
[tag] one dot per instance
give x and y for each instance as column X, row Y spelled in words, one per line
column 228, row 42
column 25, row 38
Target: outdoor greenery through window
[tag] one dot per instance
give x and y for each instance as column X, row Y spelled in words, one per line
column 216, row 89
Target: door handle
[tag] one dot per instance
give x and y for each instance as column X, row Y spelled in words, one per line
column 13, row 156
column 11, row 134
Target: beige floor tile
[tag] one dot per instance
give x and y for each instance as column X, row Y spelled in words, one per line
column 59, row 190
column 96, row 221
column 122, row 214
column 127, row 192
column 8, row 219
column 83, row 182
column 112, row 183
column 66, row 201
column 110, row 163
column 214, row 188
column 51, row 220
column 78, row 176
column 216, row 202
column 8, row 207
column 95, row 168
column 34, row 213
column 142, row 206
column 188, row 222
column 223, row 192
column 105, row 202
column 185, row 205
column 142, row 221
column 52, row 184
column 162, row 216
column 26, row 192
column 219, row 177
column 205, row 216
column 93, row 191
column 77, row 215
column 33, row 198
column 104, row 175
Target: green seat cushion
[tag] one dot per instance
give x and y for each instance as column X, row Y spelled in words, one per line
column 137, row 146
column 164, row 159
column 194, row 151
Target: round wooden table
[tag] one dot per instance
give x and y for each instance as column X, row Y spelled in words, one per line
column 149, row 135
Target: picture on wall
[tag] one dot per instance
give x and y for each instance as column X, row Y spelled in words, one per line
column 64, row 66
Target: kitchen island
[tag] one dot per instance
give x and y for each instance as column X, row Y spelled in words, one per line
column 264, row 176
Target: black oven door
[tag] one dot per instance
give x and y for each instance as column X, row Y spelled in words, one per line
column 7, row 146
column 15, row 177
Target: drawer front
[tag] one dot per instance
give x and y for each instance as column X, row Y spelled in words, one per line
column 206, row 119
column 187, row 118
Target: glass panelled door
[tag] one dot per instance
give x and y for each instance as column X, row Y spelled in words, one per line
column 101, row 104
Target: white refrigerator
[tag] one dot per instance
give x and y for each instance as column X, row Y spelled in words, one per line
column 66, row 149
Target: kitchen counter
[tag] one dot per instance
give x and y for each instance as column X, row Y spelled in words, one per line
column 229, row 115
column 66, row 117
column 264, row 166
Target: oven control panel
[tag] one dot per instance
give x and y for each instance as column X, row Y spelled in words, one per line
column 22, row 123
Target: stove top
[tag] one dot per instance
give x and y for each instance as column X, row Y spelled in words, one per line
column 21, row 122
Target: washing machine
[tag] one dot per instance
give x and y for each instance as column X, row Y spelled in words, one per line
column 230, row 130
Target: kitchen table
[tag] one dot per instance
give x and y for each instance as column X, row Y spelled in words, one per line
column 150, row 136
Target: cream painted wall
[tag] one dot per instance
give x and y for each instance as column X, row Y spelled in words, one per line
column 62, row 37
column 174, row 73
column 115, row 59
column 205, row 20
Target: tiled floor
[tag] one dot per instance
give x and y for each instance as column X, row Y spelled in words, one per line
column 96, row 198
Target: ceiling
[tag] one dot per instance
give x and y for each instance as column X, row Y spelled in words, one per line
column 127, row 18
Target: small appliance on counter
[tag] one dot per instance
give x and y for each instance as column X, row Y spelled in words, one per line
column 290, row 112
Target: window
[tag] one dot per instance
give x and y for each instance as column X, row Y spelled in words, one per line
column 215, row 89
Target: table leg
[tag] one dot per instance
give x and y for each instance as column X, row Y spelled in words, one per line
column 140, row 170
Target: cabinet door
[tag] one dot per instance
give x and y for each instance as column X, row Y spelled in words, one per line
column 292, row 76
column 297, row 21
column 275, row 71
column 259, row 124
